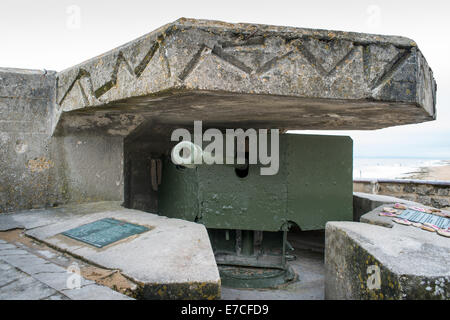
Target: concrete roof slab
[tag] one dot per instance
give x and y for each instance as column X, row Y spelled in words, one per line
column 280, row 76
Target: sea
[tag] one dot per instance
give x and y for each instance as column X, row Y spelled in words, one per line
column 392, row 168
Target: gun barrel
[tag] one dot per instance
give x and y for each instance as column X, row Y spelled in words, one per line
column 187, row 154
column 190, row 155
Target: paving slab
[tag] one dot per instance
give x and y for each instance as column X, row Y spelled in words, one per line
column 32, row 264
column 173, row 260
column 28, row 277
column 26, row 288
column 9, row 252
column 8, row 274
column 58, row 280
column 366, row 261
column 57, row 296
column 93, row 292
column 7, row 246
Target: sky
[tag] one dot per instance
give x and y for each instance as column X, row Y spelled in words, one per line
column 57, row 34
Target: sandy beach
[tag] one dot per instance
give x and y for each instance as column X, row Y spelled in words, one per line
column 433, row 173
column 437, row 173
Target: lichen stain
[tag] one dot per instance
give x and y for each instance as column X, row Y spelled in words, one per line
column 39, row 164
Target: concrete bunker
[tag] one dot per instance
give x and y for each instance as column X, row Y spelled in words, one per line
column 108, row 122
column 245, row 76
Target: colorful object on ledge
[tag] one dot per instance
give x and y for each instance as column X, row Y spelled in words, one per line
column 400, row 206
column 444, row 232
column 390, row 210
column 428, row 219
column 402, row 221
column 387, row 214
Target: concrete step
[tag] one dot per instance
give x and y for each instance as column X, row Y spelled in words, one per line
column 25, row 276
column 174, row 260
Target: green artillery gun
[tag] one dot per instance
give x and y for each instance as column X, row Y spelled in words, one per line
column 248, row 214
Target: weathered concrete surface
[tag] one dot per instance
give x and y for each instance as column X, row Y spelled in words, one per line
column 90, row 167
column 373, row 217
column 25, row 276
column 409, row 263
column 37, row 170
column 249, row 75
column 174, row 260
column 27, row 99
column 29, row 219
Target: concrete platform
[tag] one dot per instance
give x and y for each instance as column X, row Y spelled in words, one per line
column 365, row 261
column 25, row 276
column 366, row 208
column 30, row 219
column 364, row 203
column 174, row 260
column 308, row 250
column 308, row 265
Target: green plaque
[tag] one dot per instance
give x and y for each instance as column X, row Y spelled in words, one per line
column 104, row 232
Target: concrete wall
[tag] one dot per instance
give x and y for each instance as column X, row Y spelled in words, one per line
column 26, row 102
column 38, row 170
column 91, row 167
column 430, row 193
